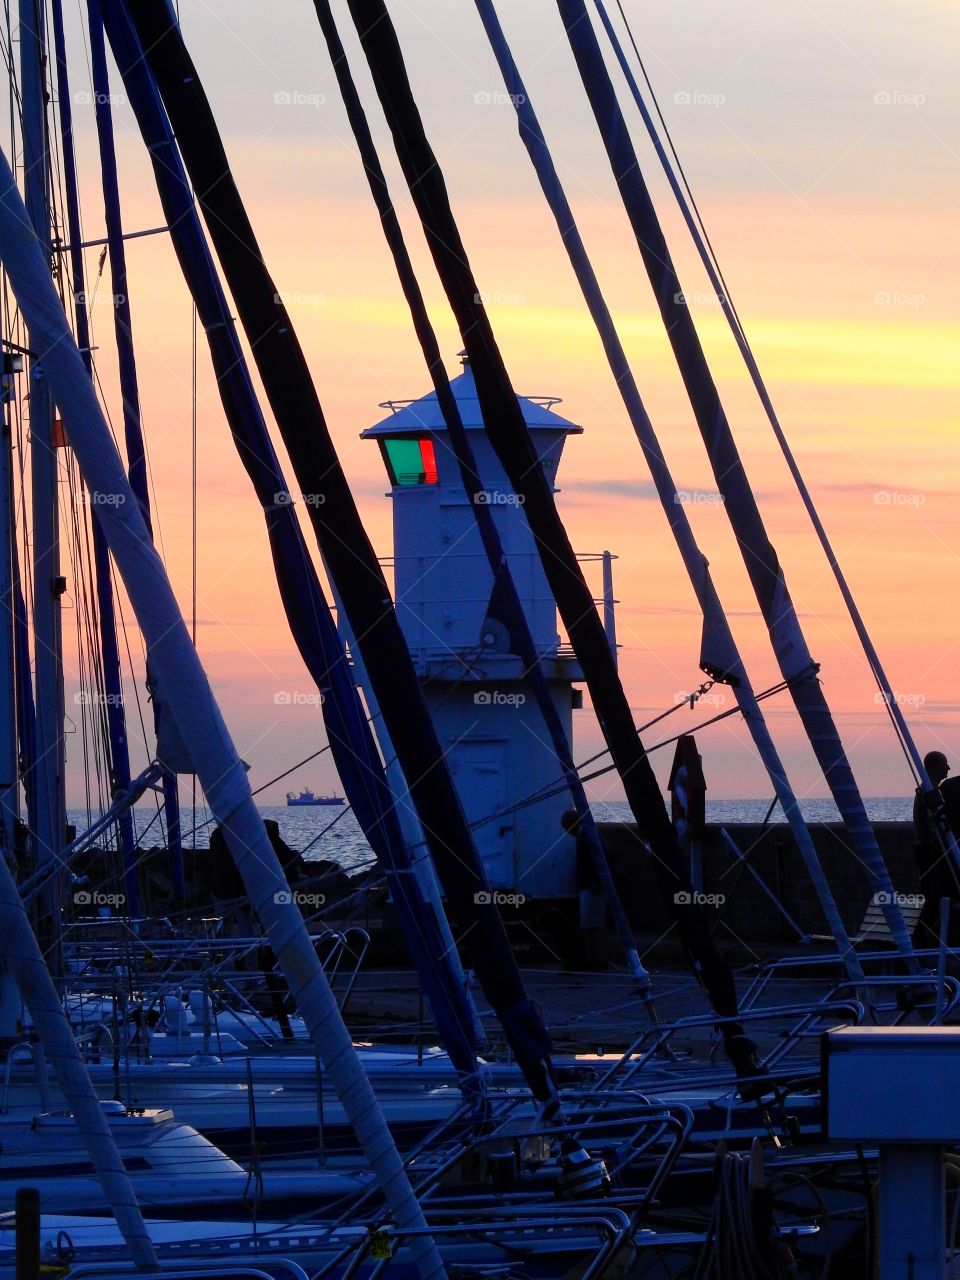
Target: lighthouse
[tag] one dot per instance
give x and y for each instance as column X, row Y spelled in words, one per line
column 484, row 711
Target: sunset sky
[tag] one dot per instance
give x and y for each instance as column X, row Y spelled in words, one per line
column 821, row 141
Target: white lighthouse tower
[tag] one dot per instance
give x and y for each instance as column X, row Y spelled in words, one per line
column 481, row 703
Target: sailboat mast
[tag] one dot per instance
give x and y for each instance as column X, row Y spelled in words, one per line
column 9, row 782
column 198, row 720
column 109, row 649
column 44, row 468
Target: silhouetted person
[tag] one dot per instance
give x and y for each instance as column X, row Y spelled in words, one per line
column 592, row 904
column 938, row 879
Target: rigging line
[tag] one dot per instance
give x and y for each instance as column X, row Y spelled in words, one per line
column 193, row 510
column 708, row 257
column 454, row 685
column 556, row 788
column 676, row 156
column 766, row 574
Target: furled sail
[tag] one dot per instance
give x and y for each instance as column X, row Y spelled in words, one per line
column 763, row 568
column 308, row 614
column 349, row 557
column 507, row 432
column 220, row 769
column 505, row 603
column 720, row 656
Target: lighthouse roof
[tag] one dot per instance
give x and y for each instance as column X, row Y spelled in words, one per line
column 412, row 417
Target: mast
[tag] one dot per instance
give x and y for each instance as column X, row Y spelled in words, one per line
column 129, row 384
column 50, row 831
column 763, row 567
column 378, row 809
column 198, row 720
column 9, row 774
column 106, row 613
column 349, row 557
column 507, row 433
column 9, row 761
column 521, row 638
column 931, row 793
column 20, row 950
column 720, row 655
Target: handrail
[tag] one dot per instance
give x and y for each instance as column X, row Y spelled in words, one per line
column 34, row 1050
column 240, row 1272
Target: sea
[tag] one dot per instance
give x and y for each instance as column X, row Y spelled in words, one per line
column 334, row 833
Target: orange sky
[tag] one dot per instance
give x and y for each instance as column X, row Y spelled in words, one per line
column 834, row 214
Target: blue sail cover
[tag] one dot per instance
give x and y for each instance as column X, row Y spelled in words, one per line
column 763, row 567
column 351, row 740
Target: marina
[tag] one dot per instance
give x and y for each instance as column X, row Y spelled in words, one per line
column 381, row 894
